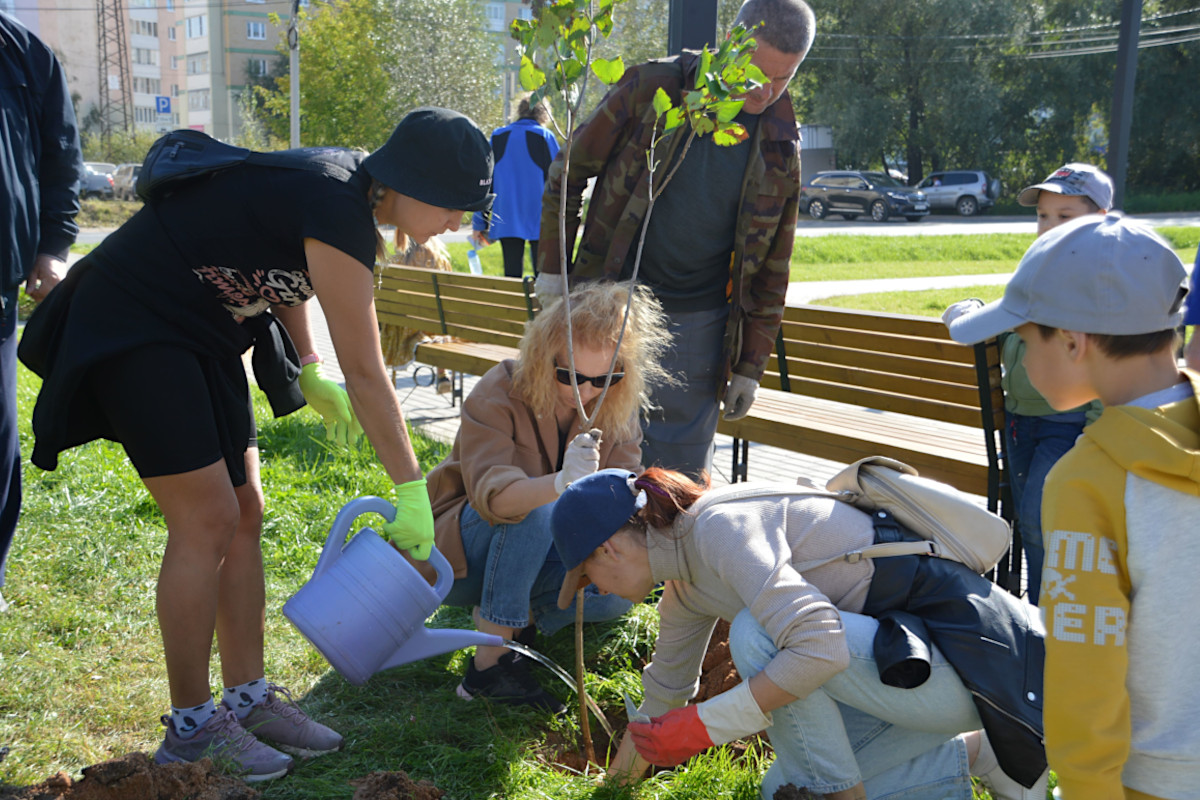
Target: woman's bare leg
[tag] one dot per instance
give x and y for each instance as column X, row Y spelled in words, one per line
column 201, row 512
column 241, row 601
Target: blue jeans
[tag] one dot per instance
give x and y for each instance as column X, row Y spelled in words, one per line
column 1035, row 444
column 680, row 434
column 900, row 743
column 514, row 574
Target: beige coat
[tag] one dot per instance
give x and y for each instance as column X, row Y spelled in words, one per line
column 501, row 441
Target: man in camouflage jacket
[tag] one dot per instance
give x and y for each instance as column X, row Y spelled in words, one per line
column 612, row 146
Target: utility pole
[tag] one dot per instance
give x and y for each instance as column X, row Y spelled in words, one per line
column 691, row 24
column 293, row 38
column 1121, row 124
column 115, row 92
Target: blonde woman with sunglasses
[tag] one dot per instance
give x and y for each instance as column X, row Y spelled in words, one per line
column 519, row 444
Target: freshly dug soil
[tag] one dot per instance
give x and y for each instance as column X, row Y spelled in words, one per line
column 393, row 786
column 717, row 673
column 137, row 777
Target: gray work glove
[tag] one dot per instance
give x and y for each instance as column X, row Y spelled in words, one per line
column 581, row 459
column 961, row 307
column 739, row 397
column 548, row 286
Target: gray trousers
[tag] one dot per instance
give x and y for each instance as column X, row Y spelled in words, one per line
column 679, row 433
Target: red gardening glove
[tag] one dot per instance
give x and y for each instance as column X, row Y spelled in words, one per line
column 680, row 733
column 671, row 739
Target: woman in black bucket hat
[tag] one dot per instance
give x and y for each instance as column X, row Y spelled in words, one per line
column 142, row 344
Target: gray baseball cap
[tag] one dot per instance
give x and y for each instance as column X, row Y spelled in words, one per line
column 1095, row 274
column 1073, row 179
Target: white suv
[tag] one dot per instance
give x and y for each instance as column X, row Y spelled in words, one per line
column 966, row 191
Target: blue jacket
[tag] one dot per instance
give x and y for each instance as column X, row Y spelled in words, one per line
column 39, row 147
column 523, row 151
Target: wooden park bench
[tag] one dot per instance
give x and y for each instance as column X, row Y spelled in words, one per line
column 486, row 314
column 844, row 384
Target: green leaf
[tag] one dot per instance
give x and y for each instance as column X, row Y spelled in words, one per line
column 609, row 72
column 755, row 74
column 703, row 125
column 674, row 119
column 728, row 109
column 662, row 102
column 694, row 100
column 530, row 76
column 731, row 134
column 571, row 69
column 705, row 63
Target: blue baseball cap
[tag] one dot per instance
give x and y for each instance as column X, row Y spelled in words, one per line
column 586, row 516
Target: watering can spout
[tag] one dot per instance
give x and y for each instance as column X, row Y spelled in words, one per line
column 428, row 642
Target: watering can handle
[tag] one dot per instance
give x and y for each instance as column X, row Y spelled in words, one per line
column 377, row 505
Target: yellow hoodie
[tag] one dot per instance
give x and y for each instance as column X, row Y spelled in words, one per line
column 1121, row 598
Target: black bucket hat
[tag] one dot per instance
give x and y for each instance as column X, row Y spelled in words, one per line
column 439, row 157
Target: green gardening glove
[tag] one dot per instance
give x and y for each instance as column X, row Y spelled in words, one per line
column 332, row 403
column 412, row 530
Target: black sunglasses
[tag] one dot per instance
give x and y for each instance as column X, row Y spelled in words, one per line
column 564, row 377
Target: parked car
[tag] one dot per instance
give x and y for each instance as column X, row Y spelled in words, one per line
column 966, row 191
column 95, row 184
column 852, row 194
column 124, row 179
column 101, row 166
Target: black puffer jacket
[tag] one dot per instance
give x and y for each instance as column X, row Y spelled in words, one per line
column 39, row 145
column 994, row 641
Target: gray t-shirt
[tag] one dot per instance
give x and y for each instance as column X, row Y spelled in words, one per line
column 690, row 237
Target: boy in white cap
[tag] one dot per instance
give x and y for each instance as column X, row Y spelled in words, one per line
column 1097, row 302
column 1036, row 435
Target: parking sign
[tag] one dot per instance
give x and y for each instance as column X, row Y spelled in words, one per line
column 162, row 104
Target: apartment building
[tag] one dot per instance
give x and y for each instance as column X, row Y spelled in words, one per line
column 189, row 61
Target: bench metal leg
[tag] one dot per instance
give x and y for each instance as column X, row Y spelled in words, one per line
column 741, row 458
column 456, row 385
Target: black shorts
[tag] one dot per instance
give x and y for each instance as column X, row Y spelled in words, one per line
column 157, row 402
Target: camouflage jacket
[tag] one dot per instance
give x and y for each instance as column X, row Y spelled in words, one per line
column 611, row 145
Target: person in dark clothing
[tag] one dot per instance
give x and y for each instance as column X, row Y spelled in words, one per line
column 43, row 166
column 523, row 152
column 142, row 344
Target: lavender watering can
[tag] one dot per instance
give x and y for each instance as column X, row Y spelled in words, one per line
column 365, row 606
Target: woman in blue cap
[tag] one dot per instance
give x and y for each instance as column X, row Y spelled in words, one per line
column 803, row 635
column 142, row 344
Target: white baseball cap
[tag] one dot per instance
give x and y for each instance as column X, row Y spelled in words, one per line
column 1095, row 274
column 1073, row 179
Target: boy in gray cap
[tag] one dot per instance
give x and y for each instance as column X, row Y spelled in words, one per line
column 1097, row 302
column 1072, row 190
column 1036, row 435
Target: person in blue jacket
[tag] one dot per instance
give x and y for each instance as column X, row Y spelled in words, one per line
column 1191, row 318
column 523, row 152
column 39, row 145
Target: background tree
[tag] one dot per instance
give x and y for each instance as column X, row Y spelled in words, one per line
column 365, row 63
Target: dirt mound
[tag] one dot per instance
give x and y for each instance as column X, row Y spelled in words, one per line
column 137, row 777
column 717, row 674
column 393, row 786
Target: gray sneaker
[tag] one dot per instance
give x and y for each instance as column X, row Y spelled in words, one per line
column 281, row 722
column 226, row 742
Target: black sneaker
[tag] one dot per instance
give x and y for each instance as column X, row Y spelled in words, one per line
column 508, row 682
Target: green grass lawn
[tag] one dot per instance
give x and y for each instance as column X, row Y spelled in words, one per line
column 840, row 257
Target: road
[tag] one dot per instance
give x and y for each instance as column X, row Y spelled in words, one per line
column 933, row 225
